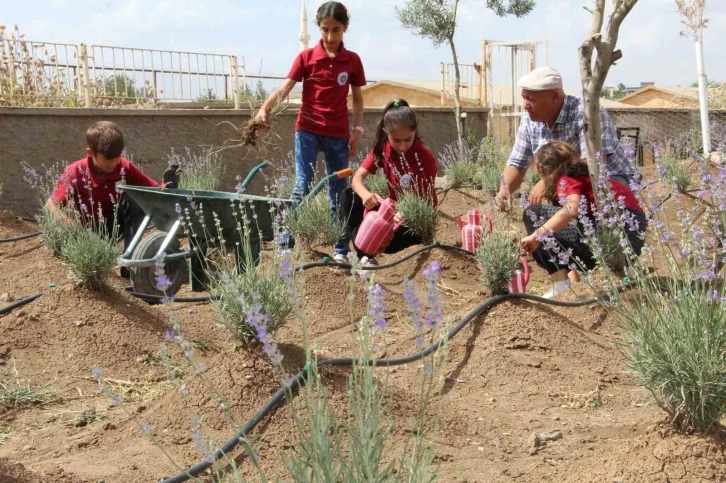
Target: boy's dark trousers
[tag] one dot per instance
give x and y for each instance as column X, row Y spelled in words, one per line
column 351, row 205
column 128, row 217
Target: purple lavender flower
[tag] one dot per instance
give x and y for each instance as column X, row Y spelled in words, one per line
column 162, row 281
column 145, row 429
column 413, row 304
column 177, row 207
column 435, row 316
column 259, row 321
column 376, row 307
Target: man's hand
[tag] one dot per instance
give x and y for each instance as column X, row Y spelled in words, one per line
column 372, row 200
column 170, row 178
column 502, row 201
column 529, row 243
column 353, row 143
column 537, row 195
column 262, row 116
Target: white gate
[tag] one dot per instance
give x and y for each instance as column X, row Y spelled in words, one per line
column 504, row 63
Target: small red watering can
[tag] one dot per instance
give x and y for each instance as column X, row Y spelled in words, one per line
column 520, row 279
column 472, row 231
column 377, row 229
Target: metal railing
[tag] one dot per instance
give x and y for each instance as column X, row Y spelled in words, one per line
column 469, row 87
column 39, row 73
column 44, row 74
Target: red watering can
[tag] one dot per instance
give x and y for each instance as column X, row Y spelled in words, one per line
column 472, row 231
column 377, row 229
column 520, row 279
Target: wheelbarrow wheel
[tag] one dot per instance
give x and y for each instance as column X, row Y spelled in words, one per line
column 143, row 279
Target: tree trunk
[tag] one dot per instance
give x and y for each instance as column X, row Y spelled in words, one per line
column 593, row 78
column 457, row 83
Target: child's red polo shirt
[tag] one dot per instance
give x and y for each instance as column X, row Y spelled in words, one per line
column 326, row 81
column 415, row 169
column 88, row 190
column 582, row 185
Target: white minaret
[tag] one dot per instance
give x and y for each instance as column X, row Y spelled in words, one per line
column 304, row 36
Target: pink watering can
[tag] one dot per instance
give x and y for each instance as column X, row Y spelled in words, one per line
column 472, row 231
column 520, row 279
column 377, row 229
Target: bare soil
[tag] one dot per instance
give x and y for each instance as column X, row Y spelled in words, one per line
column 519, row 371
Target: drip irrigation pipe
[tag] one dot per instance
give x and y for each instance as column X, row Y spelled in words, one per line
column 477, row 186
column 207, row 298
column 9, row 308
column 18, row 238
column 299, row 380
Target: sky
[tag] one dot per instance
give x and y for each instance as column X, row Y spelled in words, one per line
column 266, row 34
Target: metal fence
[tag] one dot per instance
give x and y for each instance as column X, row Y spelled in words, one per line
column 470, row 86
column 51, row 74
column 39, row 73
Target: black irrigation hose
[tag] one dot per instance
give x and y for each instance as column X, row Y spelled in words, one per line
column 207, row 298
column 299, row 380
column 18, row 238
column 9, row 308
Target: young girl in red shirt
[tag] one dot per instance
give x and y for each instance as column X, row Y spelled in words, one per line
column 407, row 165
column 567, row 181
column 327, row 72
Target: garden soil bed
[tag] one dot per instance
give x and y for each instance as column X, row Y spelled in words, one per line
column 520, row 370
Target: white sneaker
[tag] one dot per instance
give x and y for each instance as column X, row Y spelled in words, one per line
column 340, row 258
column 368, row 262
column 558, row 288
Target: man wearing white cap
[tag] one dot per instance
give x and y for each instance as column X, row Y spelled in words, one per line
column 553, row 116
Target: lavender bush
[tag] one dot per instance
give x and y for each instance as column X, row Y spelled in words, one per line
column 200, row 171
column 458, row 167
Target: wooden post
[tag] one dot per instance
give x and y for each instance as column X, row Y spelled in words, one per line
column 235, row 80
column 85, row 81
column 443, row 83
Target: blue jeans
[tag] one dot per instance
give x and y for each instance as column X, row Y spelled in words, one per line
column 335, row 150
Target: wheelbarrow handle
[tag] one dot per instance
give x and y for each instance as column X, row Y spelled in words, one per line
column 252, row 173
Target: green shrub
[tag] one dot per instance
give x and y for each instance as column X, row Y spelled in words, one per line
column 377, row 183
column 89, row 256
column 232, row 292
column 458, row 167
column 419, row 215
column 311, row 222
column 491, row 159
column 498, row 255
column 674, row 170
column 200, row 171
column 675, row 344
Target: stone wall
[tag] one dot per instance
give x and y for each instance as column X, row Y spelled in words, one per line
column 48, row 135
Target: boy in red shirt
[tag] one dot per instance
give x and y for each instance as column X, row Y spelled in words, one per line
column 567, row 182
column 327, row 72
column 90, row 184
column 407, row 165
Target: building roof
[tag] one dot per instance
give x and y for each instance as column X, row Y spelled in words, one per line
column 676, row 92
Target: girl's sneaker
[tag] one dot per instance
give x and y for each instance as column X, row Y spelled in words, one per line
column 340, row 258
column 368, row 262
column 558, row 288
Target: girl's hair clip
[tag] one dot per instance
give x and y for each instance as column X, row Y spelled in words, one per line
column 397, row 103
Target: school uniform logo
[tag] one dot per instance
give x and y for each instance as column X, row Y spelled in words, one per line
column 342, row 78
column 406, row 180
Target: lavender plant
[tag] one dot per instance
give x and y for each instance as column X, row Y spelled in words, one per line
column 498, row 256
column 674, row 324
column 89, row 255
column 311, row 222
column 458, row 167
column 672, row 169
column 201, row 171
column 491, row 159
column 419, row 215
column 377, row 183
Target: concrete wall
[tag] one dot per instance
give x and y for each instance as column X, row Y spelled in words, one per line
column 49, row 135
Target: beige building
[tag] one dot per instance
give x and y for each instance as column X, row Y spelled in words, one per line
column 662, row 96
column 418, row 94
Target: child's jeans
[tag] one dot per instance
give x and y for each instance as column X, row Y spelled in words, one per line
column 335, row 150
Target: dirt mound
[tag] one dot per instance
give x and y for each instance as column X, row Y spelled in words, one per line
column 12, row 226
column 17, row 473
column 660, row 454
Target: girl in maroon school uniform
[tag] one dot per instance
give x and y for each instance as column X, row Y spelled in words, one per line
column 567, row 182
column 407, row 165
column 327, row 72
